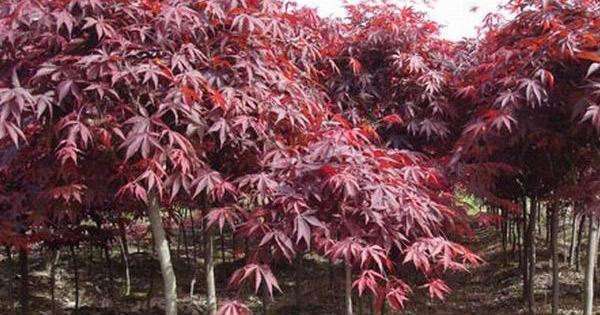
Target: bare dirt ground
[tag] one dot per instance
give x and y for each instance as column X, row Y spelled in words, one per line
column 494, row 288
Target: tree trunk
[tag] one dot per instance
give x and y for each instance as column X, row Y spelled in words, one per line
column 573, row 246
column 525, row 251
column 11, row 279
column 164, row 256
column 555, row 266
column 589, row 269
column 533, row 209
column 76, row 277
column 109, row 273
column 265, row 300
column 54, row 261
column 24, row 266
column 578, row 246
column 348, row 287
column 298, row 280
column 209, row 265
column 125, row 257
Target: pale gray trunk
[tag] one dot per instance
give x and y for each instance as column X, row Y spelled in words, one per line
column 164, row 257
column 589, row 269
column 555, row 266
column 209, row 265
column 348, row 285
column 531, row 255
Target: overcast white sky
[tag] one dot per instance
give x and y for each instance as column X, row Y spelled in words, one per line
column 456, row 15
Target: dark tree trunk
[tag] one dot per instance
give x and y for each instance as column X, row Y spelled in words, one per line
column 298, row 280
column 578, row 246
column 555, row 266
column 109, row 273
column 574, row 234
column 265, row 301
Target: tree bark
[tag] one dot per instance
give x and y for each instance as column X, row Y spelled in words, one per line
column 76, row 277
column 578, row 246
column 555, row 266
column 524, row 251
column 573, row 247
column 531, row 255
column 209, row 265
column 24, row 295
column 109, row 273
column 164, row 256
column 589, row 270
column 11, row 279
column 348, row 288
column 125, row 258
column 298, row 280
column 54, row 261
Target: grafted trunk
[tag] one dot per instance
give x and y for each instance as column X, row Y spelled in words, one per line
column 209, row 265
column 589, row 269
column 164, row 257
column 348, row 288
column 555, row 266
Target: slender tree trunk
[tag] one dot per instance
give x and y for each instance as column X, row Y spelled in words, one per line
column 125, row 257
column 555, row 266
column 11, row 278
column 109, row 273
column 578, row 247
column 222, row 239
column 298, row 280
column 573, row 246
column 209, row 265
column 76, row 277
column 525, row 251
column 589, row 269
column 531, row 255
column 164, row 256
column 185, row 240
column 24, row 295
column 348, row 288
column 54, row 261
column 194, row 239
column 265, row 300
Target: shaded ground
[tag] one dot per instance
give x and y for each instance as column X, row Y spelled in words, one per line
column 494, row 288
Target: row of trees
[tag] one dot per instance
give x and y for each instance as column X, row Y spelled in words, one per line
column 297, row 134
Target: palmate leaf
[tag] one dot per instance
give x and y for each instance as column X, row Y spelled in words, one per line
column 262, row 276
column 233, row 308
